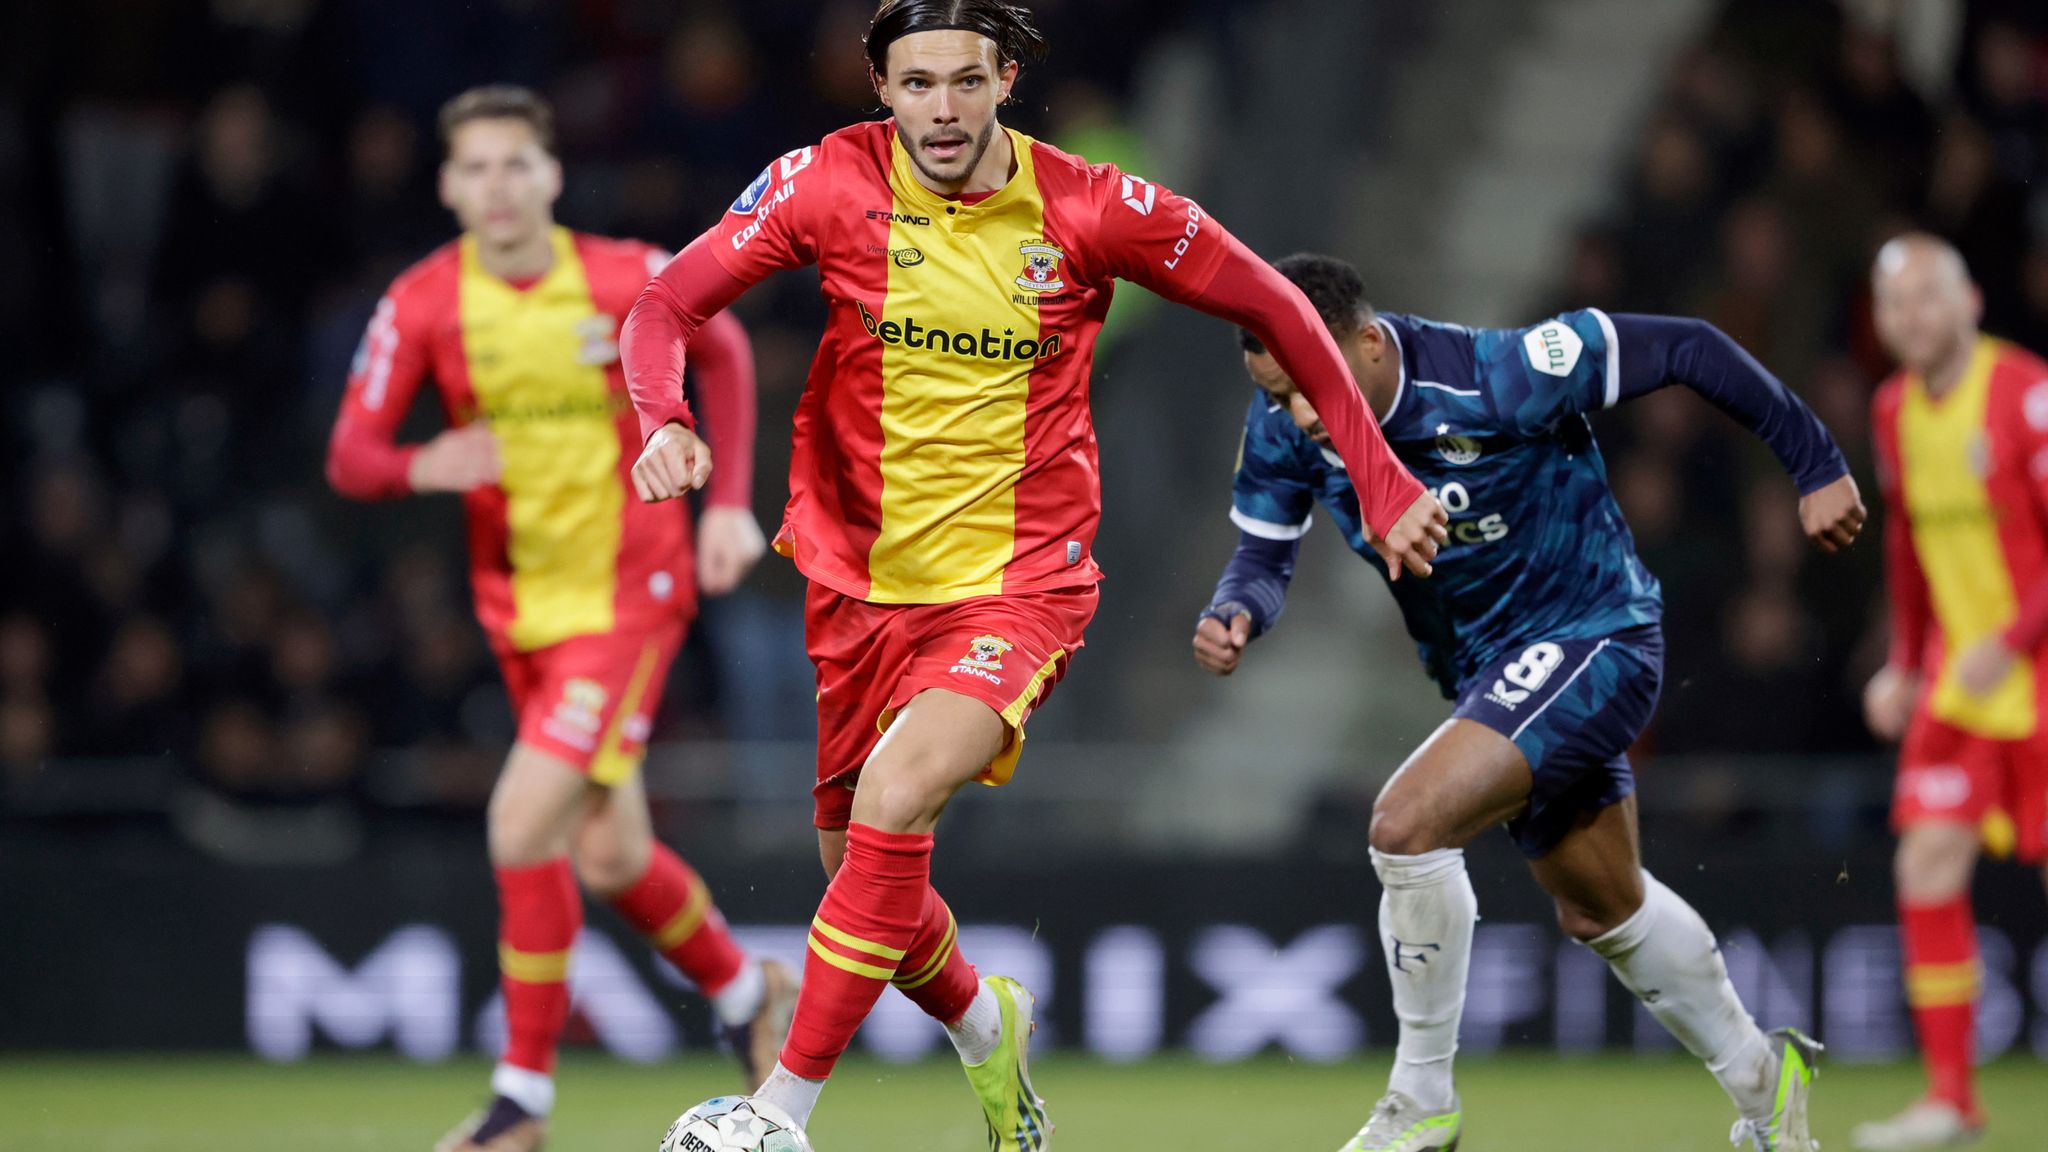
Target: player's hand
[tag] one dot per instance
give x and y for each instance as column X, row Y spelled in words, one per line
column 1888, row 701
column 458, row 460
column 675, row 461
column 729, row 542
column 1833, row 515
column 1413, row 540
column 1219, row 647
column 1984, row 666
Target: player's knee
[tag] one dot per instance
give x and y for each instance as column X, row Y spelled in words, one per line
column 1403, row 829
column 1933, row 864
column 1587, row 922
column 906, row 792
column 608, row 868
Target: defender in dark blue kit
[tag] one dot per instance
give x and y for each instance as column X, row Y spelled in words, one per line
column 1543, row 625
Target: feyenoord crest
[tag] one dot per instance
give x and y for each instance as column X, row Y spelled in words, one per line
column 1457, row 450
column 986, row 652
column 1041, row 268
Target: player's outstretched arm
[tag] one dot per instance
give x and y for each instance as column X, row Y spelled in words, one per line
column 1656, row 350
column 688, row 292
column 1889, row 696
column 1248, row 601
column 729, row 539
column 1407, row 525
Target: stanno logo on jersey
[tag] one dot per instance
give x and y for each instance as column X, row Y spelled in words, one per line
column 1041, row 268
column 1553, row 348
column 988, row 344
column 1457, row 451
column 596, row 340
column 1140, row 195
column 899, row 217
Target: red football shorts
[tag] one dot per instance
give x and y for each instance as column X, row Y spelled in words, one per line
column 2001, row 786
column 591, row 700
column 1005, row 651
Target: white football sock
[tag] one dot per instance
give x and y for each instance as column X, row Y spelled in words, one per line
column 1666, row 955
column 791, row 1093
column 533, row 1091
column 1426, row 917
column 740, row 1000
column 977, row 1032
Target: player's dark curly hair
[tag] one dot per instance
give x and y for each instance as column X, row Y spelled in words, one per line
column 1335, row 289
column 1011, row 26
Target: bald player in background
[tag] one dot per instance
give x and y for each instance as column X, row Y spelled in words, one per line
column 1962, row 445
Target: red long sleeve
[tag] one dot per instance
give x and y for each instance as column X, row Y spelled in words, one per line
column 364, row 459
column 689, row 290
column 722, row 359
column 1249, row 292
column 1911, row 608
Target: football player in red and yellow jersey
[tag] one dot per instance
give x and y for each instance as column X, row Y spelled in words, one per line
column 944, row 494
column 584, row 591
column 1962, row 442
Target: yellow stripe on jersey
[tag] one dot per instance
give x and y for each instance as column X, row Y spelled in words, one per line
column 958, row 350
column 1943, row 460
column 551, row 407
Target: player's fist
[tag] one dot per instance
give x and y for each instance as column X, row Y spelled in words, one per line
column 729, row 542
column 1888, row 701
column 675, row 461
column 1220, row 646
column 458, row 460
column 1984, row 666
column 1414, row 539
column 1833, row 515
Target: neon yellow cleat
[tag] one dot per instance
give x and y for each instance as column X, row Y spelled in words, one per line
column 1798, row 1064
column 1399, row 1124
column 1016, row 1114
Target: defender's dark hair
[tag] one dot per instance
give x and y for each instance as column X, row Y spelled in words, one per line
column 1011, row 26
column 1335, row 289
column 500, row 102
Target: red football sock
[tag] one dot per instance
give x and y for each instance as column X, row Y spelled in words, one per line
column 670, row 906
column 1942, row 977
column 871, row 913
column 934, row 974
column 539, row 912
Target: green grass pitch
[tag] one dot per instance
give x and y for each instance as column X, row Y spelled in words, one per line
column 1518, row 1103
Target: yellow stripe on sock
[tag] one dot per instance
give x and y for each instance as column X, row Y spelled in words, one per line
column 849, row 940
column 1942, row 985
column 853, row 966
column 940, row 955
column 687, row 920
column 533, row 967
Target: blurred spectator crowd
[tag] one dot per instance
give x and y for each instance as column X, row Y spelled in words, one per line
column 1788, row 144
column 200, row 202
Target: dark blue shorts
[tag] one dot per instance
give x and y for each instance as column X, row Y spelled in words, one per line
column 1573, row 707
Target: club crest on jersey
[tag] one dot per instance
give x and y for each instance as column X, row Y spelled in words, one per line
column 596, row 340
column 986, row 652
column 1041, row 268
column 1457, row 451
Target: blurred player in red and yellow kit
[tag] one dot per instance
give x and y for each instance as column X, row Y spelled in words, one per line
column 584, row 591
column 1962, row 441
column 944, row 493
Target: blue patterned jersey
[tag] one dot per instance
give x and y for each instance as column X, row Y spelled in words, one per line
column 1494, row 423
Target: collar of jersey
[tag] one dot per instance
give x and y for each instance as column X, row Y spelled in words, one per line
column 559, row 238
column 1401, row 358
column 904, row 183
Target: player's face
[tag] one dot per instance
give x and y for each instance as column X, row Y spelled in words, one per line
column 944, row 87
column 500, row 183
column 1925, row 306
column 1265, row 372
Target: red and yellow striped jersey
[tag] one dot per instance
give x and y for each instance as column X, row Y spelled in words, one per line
column 1965, row 480
column 944, row 447
column 559, row 547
